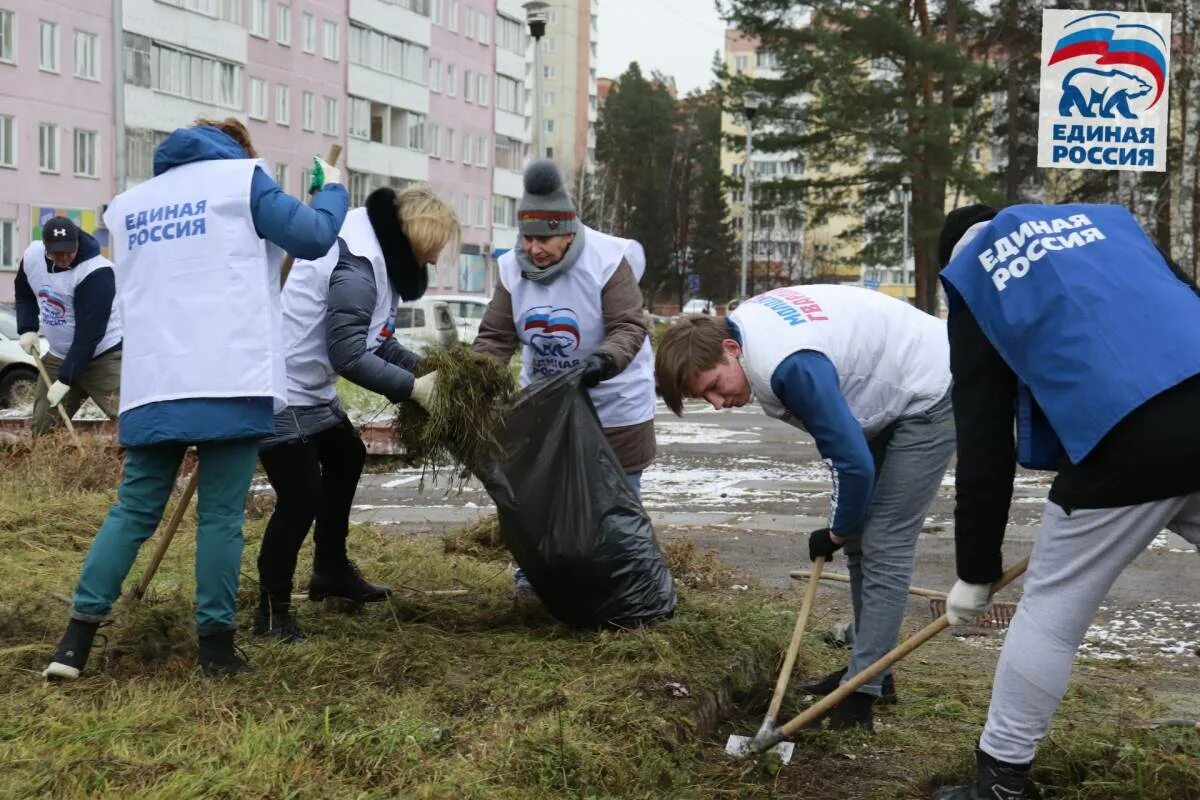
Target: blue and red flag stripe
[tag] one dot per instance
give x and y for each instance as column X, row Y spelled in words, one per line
column 1112, row 49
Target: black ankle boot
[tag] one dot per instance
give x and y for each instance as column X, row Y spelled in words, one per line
column 73, row 651
column 218, row 656
column 346, row 582
column 274, row 618
column 833, row 680
column 994, row 780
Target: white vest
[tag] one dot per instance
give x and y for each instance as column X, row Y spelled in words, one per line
column 56, row 300
column 561, row 323
column 197, row 288
column 311, row 379
column 892, row 360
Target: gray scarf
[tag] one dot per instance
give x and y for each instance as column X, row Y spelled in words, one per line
column 531, row 271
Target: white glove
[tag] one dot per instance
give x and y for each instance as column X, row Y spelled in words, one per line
column 323, row 174
column 30, row 343
column 967, row 602
column 424, row 390
column 58, row 390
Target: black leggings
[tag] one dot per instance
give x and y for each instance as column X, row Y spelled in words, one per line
column 314, row 479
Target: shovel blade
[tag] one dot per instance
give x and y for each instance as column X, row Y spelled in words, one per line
column 739, row 747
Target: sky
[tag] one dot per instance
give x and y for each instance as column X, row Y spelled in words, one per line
column 677, row 37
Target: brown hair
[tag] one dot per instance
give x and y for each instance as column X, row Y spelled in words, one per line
column 691, row 345
column 234, row 129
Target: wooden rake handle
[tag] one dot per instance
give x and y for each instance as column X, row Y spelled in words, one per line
column 801, row 574
column 789, row 660
column 335, row 152
column 852, row 685
column 62, row 412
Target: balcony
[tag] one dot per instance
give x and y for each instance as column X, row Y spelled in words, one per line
column 195, row 32
column 388, row 89
column 382, row 159
column 391, row 19
column 507, row 183
column 510, row 124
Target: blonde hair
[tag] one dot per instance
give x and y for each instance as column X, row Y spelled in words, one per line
column 429, row 222
column 691, row 345
column 234, row 129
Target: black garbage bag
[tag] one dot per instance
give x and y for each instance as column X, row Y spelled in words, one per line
column 568, row 515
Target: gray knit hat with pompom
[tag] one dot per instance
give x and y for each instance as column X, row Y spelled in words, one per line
column 545, row 209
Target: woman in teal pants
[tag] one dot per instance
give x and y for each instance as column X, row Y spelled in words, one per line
column 197, row 261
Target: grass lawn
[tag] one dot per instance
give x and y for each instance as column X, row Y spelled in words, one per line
column 437, row 695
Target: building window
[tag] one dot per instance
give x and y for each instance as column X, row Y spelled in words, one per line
column 452, row 15
column 416, row 131
column 468, row 86
column 258, row 98
column 466, row 149
column 451, row 81
column 305, row 180
column 330, row 50
column 359, row 124
column 504, row 211
column 259, row 12
column 435, row 140
column 481, row 151
column 281, row 176
column 511, row 36
column 740, row 63
column 481, row 212
column 358, row 189
column 310, row 33
column 378, row 51
column 310, row 111
column 508, row 94
column 547, row 98
column 548, row 45
column 8, row 141
column 470, row 26
column 449, row 144
column 85, row 154
column 85, row 55
column 139, row 152
column 435, row 75
column 8, row 244
column 48, row 52
column 548, row 71
column 481, row 95
column 483, row 33
column 8, row 36
column 283, row 25
column 48, row 147
column 435, row 12
column 330, row 122
column 283, row 105
column 549, row 126
column 189, row 75
column 510, row 153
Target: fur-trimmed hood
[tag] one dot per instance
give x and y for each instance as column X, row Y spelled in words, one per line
column 407, row 276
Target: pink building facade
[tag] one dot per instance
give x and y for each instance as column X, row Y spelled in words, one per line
column 295, row 85
column 459, row 133
column 56, row 112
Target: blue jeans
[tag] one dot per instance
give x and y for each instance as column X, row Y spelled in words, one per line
column 226, row 469
column 908, row 474
column 635, row 483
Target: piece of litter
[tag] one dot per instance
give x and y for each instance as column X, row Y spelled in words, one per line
column 741, row 587
column 677, row 689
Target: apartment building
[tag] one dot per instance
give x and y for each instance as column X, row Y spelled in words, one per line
column 415, row 90
column 460, row 133
column 569, row 86
column 56, row 136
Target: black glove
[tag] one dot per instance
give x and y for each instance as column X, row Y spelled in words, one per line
column 821, row 545
column 598, row 367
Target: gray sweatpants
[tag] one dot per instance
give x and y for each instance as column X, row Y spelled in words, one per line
column 909, row 472
column 1074, row 563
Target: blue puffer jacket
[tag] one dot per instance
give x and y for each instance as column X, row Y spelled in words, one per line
column 300, row 230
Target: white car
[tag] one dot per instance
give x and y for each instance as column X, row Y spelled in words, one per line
column 18, row 372
column 698, row 306
column 425, row 322
column 468, row 312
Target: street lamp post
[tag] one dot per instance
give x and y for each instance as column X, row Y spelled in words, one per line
column 750, row 103
column 905, row 197
column 535, row 18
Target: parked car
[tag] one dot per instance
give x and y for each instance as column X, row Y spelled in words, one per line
column 468, row 313
column 425, row 322
column 18, row 372
column 698, row 306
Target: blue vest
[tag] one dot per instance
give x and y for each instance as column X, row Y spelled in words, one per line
column 1086, row 312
